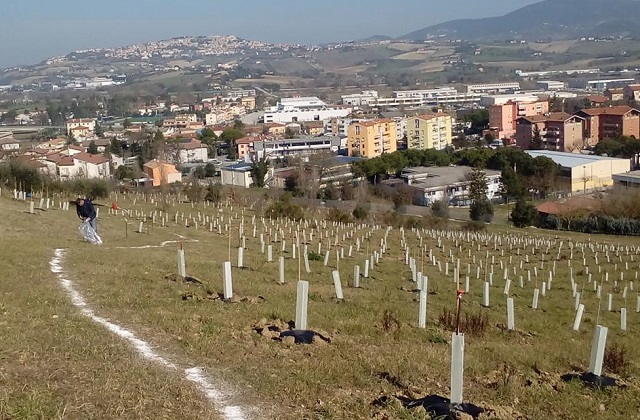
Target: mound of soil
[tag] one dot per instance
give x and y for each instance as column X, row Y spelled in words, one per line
column 278, row 330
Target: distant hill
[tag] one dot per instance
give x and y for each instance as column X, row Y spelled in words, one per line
column 549, row 19
column 375, row 38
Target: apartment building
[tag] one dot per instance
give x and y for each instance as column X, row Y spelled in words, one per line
column 429, row 131
column 559, row 131
column 339, row 126
column 609, row 122
column 84, row 124
column 182, row 121
column 372, row 138
column 502, row 118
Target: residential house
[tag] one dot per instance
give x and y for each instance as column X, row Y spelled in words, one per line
column 614, row 94
column 429, row 131
column 9, row 144
column 92, row 166
column 101, row 144
column 372, row 138
column 558, row 131
column 276, row 129
column 81, row 132
column 632, row 92
column 245, row 146
column 54, row 145
column 249, row 102
column 60, row 166
column 88, row 123
column 313, row 128
column 502, row 118
column 192, row 151
column 71, row 150
column 294, row 128
column 160, row 173
column 597, row 100
column 609, row 122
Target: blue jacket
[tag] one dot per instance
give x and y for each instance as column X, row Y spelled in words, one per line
column 87, row 211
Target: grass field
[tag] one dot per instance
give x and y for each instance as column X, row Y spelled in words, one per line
column 56, row 363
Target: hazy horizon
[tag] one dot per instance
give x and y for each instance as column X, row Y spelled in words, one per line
column 42, row 29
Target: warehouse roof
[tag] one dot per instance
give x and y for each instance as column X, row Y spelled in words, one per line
column 570, row 160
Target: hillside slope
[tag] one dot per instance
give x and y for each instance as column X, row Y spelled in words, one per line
column 549, row 19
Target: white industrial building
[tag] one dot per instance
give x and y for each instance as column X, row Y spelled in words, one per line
column 512, row 97
column 366, row 98
column 492, row 88
column 239, row 175
column 275, row 149
column 427, row 97
column 303, row 109
column 430, row 184
column 551, row 84
column 584, row 173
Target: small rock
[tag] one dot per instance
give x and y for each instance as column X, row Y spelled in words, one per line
column 54, row 316
column 602, row 407
column 289, row 341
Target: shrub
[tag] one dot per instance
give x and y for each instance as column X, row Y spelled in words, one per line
column 22, row 176
column 481, row 210
column 195, row 192
column 360, row 213
column 524, row 214
column 389, row 322
column 90, row 188
column 440, row 209
column 314, row 256
column 339, row 216
column 474, row 226
column 284, row 208
column 214, row 193
column 615, row 359
column 473, row 324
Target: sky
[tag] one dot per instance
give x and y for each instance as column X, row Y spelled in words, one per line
column 31, row 31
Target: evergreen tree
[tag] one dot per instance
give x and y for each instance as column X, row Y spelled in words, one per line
column 536, row 140
column 481, row 209
column 524, row 214
column 259, row 170
column 99, row 131
column 92, row 149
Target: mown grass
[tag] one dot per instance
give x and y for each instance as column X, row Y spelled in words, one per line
column 516, row 374
column 54, row 362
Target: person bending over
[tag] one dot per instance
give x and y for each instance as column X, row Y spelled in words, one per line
column 86, row 212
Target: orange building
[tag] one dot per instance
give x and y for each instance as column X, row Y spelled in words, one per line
column 161, row 172
column 502, row 118
column 372, row 138
column 610, row 122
